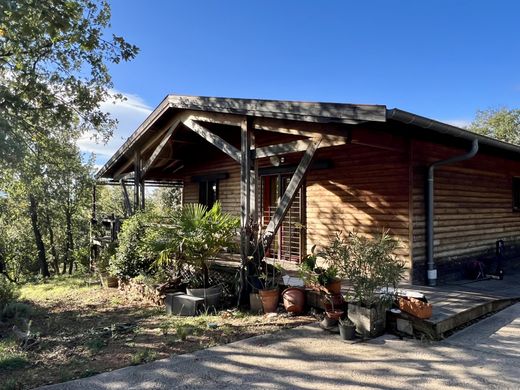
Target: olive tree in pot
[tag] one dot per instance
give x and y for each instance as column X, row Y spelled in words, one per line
column 371, row 268
column 195, row 235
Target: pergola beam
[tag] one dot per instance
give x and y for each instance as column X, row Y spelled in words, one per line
column 297, row 146
column 213, row 139
column 289, row 194
column 159, row 148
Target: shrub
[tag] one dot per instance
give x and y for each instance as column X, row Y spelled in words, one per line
column 196, row 234
column 131, row 259
column 369, row 264
column 8, row 292
column 16, row 310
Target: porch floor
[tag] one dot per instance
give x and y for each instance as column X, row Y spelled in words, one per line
column 454, row 304
column 461, row 302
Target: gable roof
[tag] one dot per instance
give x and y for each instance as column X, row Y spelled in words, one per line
column 316, row 112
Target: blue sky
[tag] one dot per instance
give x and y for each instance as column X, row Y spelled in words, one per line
column 442, row 59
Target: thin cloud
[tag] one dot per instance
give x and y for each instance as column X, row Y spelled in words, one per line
column 130, row 113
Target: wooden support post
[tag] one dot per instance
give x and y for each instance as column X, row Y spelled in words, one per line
column 254, row 185
column 141, row 196
column 126, row 199
column 245, row 203
column 137, row 179
column 289, row 194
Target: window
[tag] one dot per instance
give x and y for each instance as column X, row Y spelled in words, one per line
column 208, row 192
column 516, row 193
column 208, row 187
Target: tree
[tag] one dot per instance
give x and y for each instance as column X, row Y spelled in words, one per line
column 54, row 58
column 502, row 124
column 53, row 70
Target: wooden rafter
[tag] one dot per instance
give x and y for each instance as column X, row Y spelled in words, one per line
column 159, row 148
column 290, row 193
column 298, row 146
column 213, row 139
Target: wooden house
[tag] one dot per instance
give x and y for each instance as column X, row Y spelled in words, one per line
column 297, row 172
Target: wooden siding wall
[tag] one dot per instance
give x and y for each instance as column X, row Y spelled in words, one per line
column 366, row 191
column 473, row 209
column 228, row 190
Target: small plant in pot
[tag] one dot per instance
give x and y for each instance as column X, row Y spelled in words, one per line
column 194, row 236
column 370, row 266
column 347, row 329
column 270, row 292
column 103, row 265
column 320, row 278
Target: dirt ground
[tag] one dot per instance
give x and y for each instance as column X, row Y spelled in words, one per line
column 82, row 330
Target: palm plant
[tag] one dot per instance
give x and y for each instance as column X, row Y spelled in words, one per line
column 195, row 235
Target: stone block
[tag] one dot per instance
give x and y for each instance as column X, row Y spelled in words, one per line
column 180, row 304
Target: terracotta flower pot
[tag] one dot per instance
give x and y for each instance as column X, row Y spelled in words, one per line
column 112, row 281
column 334, row 288
column 293, row 299
column 334, row 314
column 269, row 299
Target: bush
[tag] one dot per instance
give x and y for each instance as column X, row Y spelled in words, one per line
column 369, row 264
column 16, row 310
column 196, row 235
column 8, row 292
column 132, row 258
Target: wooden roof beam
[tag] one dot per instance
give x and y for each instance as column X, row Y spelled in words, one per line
column 289, row 194
column 213, row 139
column 297, row 146
column 160, row 147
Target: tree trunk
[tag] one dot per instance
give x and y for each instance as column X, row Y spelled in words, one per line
column 42, row 260
column 70, row 242
column 55, row 263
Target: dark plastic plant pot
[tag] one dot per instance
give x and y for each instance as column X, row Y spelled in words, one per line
column 211, row 295
column 347, row 331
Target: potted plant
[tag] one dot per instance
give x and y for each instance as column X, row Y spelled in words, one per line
column 347, row 329
column 269, row 293
column 103, row 265
column 194, row 236
column 371, row 267
column 320, row 278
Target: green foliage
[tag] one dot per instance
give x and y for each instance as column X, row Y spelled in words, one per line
column 143, row 356
column 95, row 344
column 502, row 124
column 312, row 275
column 53, row 69
column 194, row 235
column 10, row 356
column 8, row 292
column 369, row 264
column 15, row 310
column 54, row 58
column 132, row 257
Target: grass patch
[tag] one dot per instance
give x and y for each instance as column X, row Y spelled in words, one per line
column 95, row 344
column 10, row 357
column 56, row 288
column 143, row 356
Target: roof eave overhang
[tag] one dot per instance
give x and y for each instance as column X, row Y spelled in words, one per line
column 283, row 110
column 450, row 130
